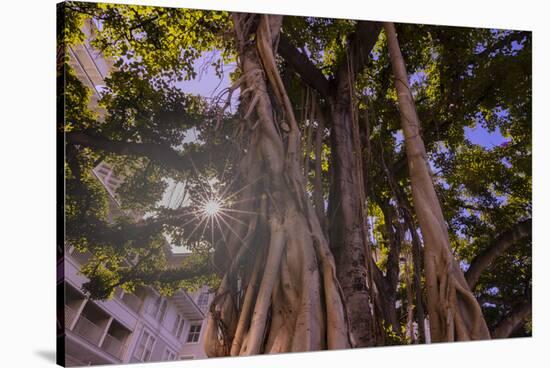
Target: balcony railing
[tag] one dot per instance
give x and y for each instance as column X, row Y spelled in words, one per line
column 81, row 257
column 70, row 314
column 113, row 346
column 88, row 330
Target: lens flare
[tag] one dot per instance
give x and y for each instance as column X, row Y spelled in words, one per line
column 212, row 207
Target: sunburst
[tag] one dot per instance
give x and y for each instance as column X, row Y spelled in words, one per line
column 214, row 207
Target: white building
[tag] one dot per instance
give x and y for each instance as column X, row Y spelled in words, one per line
column 129, row 327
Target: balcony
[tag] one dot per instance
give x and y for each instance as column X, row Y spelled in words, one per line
column 113, row 346
column 70, row 314
column 88, row 330
column 74, row 301
column 81, row 257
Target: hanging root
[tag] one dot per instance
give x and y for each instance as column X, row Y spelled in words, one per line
column 246, row 309
column 283, row 307
column 271, row 271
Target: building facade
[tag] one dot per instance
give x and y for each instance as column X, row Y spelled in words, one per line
column 131, row 327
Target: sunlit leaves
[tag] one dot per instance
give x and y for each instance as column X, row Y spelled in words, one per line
column 140, row 110
column 155, row 41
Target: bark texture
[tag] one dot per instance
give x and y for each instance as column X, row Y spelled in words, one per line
column 347, row 225
column 347, row 228
column 348, row 234
column 454, row 313
column 287, row 297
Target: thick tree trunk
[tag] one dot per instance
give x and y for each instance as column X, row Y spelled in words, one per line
column 454, row 313
column 293, row 302
column 346, row 200
column 347, row 228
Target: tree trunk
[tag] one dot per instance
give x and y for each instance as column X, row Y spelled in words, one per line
column 453, row 310
column 346, row 201
column 298, row 302
column 347, row 228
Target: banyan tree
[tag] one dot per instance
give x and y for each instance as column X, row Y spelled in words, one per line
column 337, row 193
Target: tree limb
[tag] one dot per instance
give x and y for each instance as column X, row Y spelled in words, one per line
column 362, row 41
column 162, row 154
column 302, row 65
column 512, row 321
column 501, row 243
column 139, row 233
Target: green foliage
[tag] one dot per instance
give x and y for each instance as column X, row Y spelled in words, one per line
column 155, row 41
column 76, row 98
column 323, row 39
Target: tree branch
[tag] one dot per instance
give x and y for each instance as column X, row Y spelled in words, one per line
column 512, row 321
column 362, row 41
column 139, row 233
column 161, row 154
column 303, row 66
column 501, row 243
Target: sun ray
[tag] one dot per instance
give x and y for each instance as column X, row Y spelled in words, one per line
column 204, row 229
column 231, row 229
column 188, row 222
column 243, row 188
column 243, row 200
column 212, row 227
column 233, row 218
column 241, row 211
column 203, row 197
column 221, row 230
column 195, row 229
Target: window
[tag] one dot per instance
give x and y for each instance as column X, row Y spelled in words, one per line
column 154, row 308
column 158, row 309
column 202, row 302
column 194, row 333
column 168, row 355
column 119, row 293
column 162, row 313
column 178, row 326
column 145, row 347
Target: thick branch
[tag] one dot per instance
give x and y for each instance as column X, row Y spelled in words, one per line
column 362, row 41
column 148, row 277
column 161, row 154
column 302, row 65
column 139, row 233
column 502, row 242
column 512, row 321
